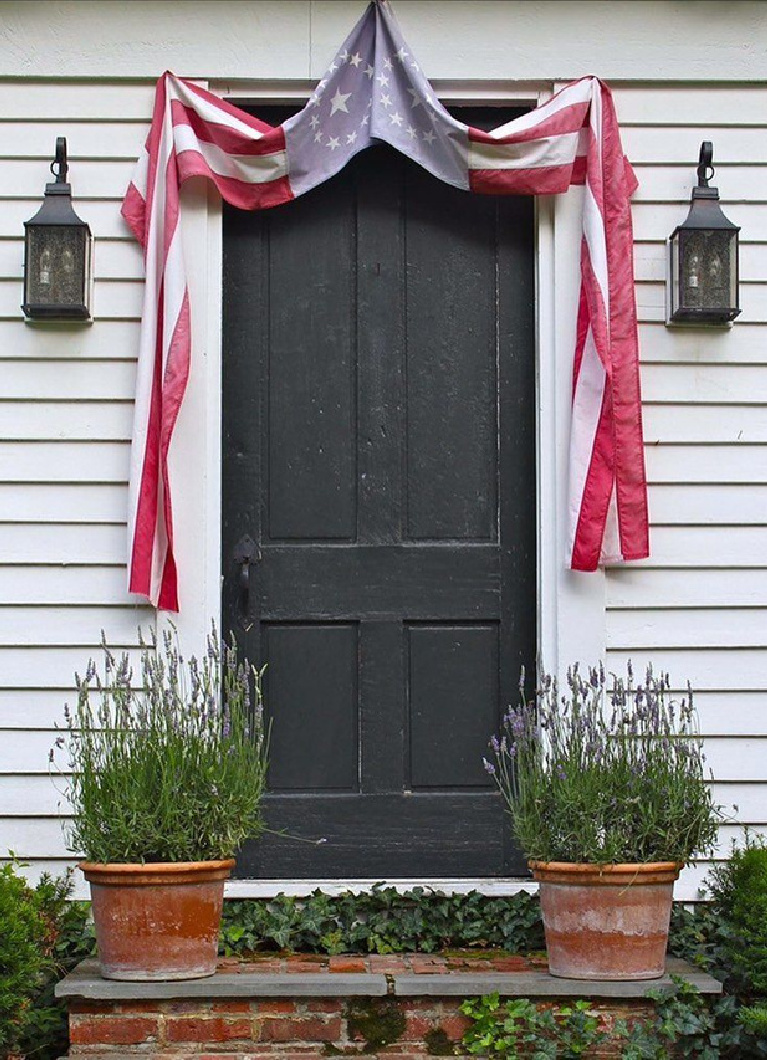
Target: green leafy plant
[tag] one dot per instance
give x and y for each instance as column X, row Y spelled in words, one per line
column 171, row 767
column 753, row 1020
column 382, row 921
column 68, row 939
column 739, row 892
column 685, row 1024
column 518, row 1027
column 23, row 934
column 587, row 780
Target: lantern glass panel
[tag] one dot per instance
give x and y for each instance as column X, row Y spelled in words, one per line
column 57, row 265
column 704, row 264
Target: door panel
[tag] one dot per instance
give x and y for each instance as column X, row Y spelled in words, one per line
column 379, row 450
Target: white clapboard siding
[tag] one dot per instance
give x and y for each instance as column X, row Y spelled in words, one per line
column 668, row 145
column 656, row 221
column 48, row 667
column 707, row 668
column 697, row 607
column 118, row 338
column 674, row 184
column 93, row 584
column 743, row 547
column 698, row 588
column 669, row 462
column 704, row 424
column 49, row 461
column 62, row 542
column 94, row 421
column 43, row 379
column 73, row 503
column 111, row 141
column 719, row 505
column 89, row 179
column 689, row 106
column 715, row 382
column 36, row 101
column 65, row 417
column 720, row 627
column 70, row 625
column 742, row 344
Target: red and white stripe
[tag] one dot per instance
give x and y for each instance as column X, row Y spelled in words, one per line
column 571, row 139
column 193, row 133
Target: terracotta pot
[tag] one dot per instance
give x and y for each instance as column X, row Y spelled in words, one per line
column 157, row 921
column 608, row 921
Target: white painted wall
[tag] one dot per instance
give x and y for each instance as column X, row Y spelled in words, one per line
column 682, row 72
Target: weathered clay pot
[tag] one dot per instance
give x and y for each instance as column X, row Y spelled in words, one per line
column 157, row 921
column 608, row 921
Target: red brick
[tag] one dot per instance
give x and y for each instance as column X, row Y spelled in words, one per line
column 387, row 963
column 417, row 1027
column 261, row 965
column 194, row 1008
column 230, row 1007
column 301, row 1030
column 433, row 965
column 276, row 1006
column 348, row 964
column 122, row 1030
column 130, row 1007
column 303, row 966
column 87, row 1008
column 328, row 1005
column 455, row 1026
column 510, row 964
column 215, row 1029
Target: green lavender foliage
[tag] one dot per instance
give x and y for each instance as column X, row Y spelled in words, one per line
column 605, row 776
column 171, row 767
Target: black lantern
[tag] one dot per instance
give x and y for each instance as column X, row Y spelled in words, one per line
column 57, row 253
column 703, row 257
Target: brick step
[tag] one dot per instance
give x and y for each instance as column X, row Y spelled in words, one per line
column 394, row 1007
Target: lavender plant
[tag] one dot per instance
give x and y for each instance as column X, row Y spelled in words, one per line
column 171, row 767
column 605, row 777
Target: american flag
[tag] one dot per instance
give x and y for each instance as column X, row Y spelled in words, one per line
column 374, row 90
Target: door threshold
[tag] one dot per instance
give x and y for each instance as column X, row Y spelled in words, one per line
column 487, row 885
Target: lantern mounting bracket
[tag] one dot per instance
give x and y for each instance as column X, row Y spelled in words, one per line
column 59, row 167
column 705, row 164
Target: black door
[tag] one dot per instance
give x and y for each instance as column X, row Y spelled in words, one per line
column 378, row 441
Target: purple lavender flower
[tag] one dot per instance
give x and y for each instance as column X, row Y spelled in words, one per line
column 489, row 767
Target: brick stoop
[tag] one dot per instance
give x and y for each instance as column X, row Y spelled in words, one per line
column 397, row 1007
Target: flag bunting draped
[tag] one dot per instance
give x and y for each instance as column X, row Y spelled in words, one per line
column 373, row 91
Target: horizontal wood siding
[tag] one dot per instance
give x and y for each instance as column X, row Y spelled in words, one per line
column 66, row 406
column 698, row 607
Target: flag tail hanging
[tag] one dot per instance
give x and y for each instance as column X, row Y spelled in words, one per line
column 374, row 90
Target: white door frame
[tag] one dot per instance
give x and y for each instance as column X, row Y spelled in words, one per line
column 571, row 618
